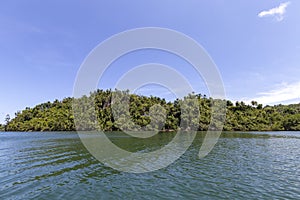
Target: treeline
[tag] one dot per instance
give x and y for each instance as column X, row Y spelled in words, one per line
column 59, row 116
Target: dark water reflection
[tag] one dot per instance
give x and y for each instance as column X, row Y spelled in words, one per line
column 261, row 165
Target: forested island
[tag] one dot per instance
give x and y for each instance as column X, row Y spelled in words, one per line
column 58, row 115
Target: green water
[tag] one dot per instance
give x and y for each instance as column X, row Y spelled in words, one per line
column 241, row 166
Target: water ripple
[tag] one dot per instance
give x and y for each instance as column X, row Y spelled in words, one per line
column 241, row 166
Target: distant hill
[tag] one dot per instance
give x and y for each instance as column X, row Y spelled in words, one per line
column 58, row 115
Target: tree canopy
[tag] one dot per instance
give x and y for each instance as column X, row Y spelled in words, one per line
column 59, row 116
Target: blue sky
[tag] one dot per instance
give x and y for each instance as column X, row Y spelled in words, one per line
column 255, row 44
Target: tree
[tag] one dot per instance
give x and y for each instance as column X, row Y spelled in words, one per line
column 259, row 106
column 7, row 119
column 107, row 110
column 254, row 103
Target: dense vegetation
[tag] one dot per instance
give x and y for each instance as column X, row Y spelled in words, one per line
column 2, row 127
column 58, row 115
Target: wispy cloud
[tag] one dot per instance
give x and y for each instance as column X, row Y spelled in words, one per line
column 284, row 93
column 277, row 12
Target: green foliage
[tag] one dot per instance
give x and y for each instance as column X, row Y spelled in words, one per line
column 106, row 110
column 2, row 127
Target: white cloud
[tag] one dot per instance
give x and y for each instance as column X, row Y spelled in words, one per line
column 277, row 12
column 284, row 93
